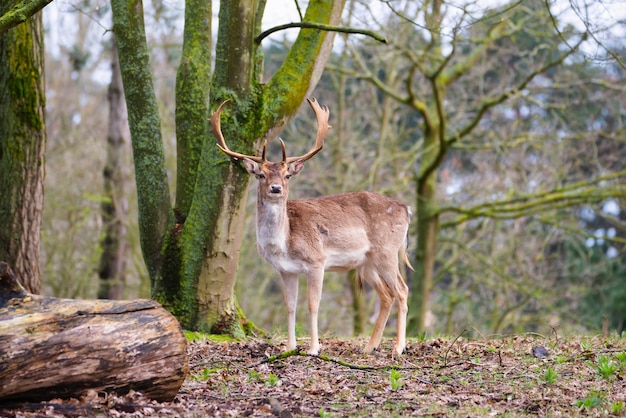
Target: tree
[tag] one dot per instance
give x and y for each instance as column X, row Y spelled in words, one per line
column 191, row 248
column 451, row 74
column 22, row 146
column 115, row 206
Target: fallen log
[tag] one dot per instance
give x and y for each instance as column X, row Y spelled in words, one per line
column 61, row 348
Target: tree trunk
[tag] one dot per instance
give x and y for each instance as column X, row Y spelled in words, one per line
column 52, row 348
column 234, row 63
column 427, row 230
column 115, row 207
column 427, row 233
column 216, row 282
column 153, row 192
column 359, row 308
column 22, row 146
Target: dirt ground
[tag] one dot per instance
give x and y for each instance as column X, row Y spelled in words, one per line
column 514, row 376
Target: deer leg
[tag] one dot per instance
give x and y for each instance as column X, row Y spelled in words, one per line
column 315, row 282
column 386, row 301
column 402, row 293
column 290, row 290
column 397, row 289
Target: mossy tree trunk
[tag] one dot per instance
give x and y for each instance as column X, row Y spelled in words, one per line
column 153, row 193
column 427, row 225
column 22, row 147
column 192, row 247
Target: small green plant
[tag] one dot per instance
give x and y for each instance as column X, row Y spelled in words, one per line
column 272, row 380
column 618, row 408
column 621, row 357
column 204, row 375
column 323, row 414
column 606, row 367
column 593, row 399
column 550, row 376
column 395, row 379
column 253, row 375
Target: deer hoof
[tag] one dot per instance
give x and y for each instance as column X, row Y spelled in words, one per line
column 313, row 351
column 398, row 350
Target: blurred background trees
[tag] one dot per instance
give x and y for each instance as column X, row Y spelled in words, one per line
column 502, row 127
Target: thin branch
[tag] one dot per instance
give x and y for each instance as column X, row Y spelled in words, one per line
column 589, row 31
column 445, row 358
column 20, row 13
column 299, row 9
column 567, row 196
column 490, row 103
column 283, row 355
column 368, row 75
column 300, row 353
column 320, row 26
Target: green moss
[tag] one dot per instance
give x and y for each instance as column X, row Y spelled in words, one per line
column 287, row 88
column 203, row 336
column 25, row 79
column 192, row 99
column 153, row 193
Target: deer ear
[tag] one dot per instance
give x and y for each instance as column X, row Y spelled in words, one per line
column 251, row 166
column 296, row 167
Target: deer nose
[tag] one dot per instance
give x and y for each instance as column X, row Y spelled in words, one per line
column 276, row 188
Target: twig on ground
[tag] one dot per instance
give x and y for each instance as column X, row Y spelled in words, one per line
column 445, row 358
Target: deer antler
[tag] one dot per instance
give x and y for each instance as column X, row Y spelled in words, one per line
column 321, row 114
column 221, row 144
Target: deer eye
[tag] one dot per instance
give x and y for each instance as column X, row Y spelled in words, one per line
column 261, row 176
column 288, row 176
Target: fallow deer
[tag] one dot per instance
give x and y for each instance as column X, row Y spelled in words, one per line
column 364, row 231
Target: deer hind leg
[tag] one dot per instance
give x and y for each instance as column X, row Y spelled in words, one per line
column 401, row 295
column 315, row 280
column 290, row 290
column 386, row 300
column 393, row 285
column 399, row 291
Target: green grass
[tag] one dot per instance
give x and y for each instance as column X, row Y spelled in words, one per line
column 550, row 376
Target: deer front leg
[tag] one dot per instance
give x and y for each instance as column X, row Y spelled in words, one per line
column 315, row 280
column 290, row 291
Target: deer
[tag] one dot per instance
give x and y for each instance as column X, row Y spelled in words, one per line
column 363, row 231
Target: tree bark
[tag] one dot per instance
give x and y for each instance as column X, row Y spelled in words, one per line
column 52, row 348
column 115, row 208
column 359, row 308
column 18, row 12
column 153, row 192
column 22, row 146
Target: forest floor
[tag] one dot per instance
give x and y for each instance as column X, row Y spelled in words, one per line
column 514, row 376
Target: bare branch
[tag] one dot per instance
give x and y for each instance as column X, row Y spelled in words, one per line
column 494, row 101
column 589, row 31
column 320, row 26
column 573, row 194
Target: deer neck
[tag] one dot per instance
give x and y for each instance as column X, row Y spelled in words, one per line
column 272, row 226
